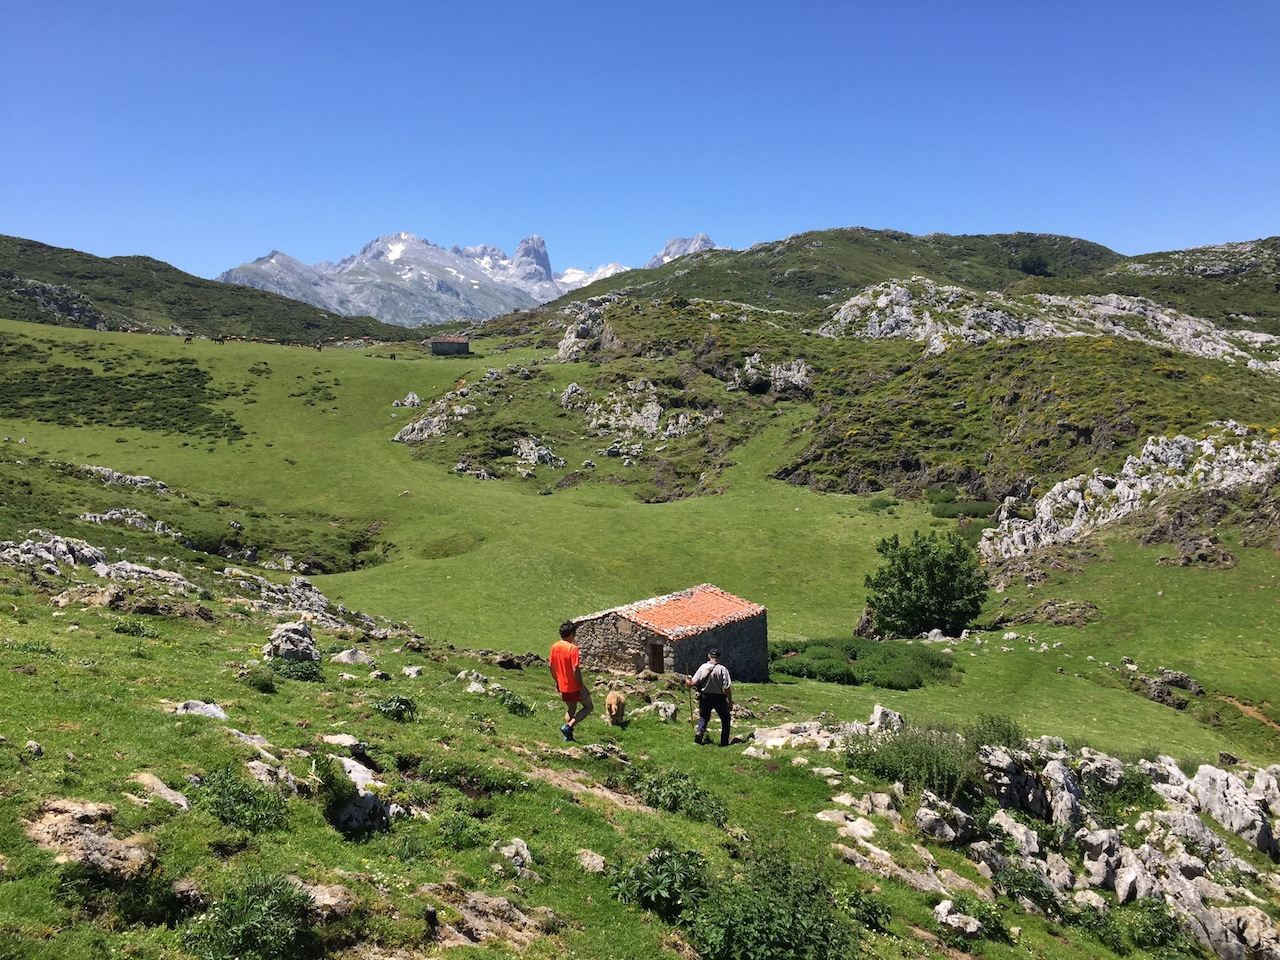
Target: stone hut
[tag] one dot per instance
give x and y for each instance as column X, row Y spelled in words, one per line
column 450, row 345
column 674, row 632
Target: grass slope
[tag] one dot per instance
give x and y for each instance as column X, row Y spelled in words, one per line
column 139, row 292
column 497, row 565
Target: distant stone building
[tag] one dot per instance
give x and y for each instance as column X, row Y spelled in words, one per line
column 450, row 345
column 674, row 633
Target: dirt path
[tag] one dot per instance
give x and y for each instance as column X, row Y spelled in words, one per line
column 1249, row 710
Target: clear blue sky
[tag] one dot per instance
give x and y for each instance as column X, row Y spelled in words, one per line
column 206, row 134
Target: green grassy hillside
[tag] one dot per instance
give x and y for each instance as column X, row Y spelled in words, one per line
column 272, row 451
column 826, row 266
column 55, row 285
column 1235, row 284
column 989, row 420
column 498, row 564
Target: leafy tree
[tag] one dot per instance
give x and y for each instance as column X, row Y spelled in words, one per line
column 924, row 584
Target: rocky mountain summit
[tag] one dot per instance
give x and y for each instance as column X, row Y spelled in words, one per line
column 680, row 247
column 404, row 279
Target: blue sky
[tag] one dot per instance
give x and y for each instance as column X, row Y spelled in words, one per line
column 206, row 134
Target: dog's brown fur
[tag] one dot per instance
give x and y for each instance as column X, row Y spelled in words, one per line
column 615, row 707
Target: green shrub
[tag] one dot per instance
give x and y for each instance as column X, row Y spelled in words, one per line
column 894, row 666
column 260, row 678
column 1111, row 804
column 879, row 503
column 868, row 909
column 473, row 779
column 147, row 898
column 459, row 831
column 1152, row 926
column 133, row 627
column 1102, row 926
column 1014, row 882
column 666, row 880
column 678, row 792
column 955, row 509
column 515, row 704
column 995, row 730
column 921, row 758
column 985, row 912
column 924, row 584
column 264, row 917
column 242, row 803
column 397, row 708
column 309, row 671
column 38, row 647
column 776, row 910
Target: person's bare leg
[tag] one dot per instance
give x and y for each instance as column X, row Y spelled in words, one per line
column 581, row 709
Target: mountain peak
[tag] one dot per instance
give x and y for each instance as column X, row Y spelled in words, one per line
column 679, row 247
column 532, row 261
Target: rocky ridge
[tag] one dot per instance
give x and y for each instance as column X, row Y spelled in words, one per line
column 1231, row 456
column 1046, row 827
column 941, row 315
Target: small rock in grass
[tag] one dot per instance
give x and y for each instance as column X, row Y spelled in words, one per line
column 201, row 709
column 590, row 861
column 352, row 656
column 947, row 915
column 155, row 787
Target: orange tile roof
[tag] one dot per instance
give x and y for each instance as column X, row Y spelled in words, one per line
column 689, row 612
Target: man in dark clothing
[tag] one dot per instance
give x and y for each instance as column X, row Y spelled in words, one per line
column 715, row 692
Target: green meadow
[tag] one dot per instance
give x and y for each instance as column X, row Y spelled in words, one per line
column 294, row 446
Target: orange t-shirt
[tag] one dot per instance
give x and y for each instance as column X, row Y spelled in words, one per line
column 564, row 662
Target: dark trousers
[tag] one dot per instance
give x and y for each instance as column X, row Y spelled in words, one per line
column 720, row 704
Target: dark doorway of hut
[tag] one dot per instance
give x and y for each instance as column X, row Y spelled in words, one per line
column 655, row 657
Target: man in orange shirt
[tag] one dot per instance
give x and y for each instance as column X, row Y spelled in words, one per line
column 566, row 671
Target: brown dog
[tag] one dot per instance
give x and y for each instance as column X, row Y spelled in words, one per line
column 615, row 707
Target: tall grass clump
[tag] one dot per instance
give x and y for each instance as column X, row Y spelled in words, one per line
column 265, row 917
column 920, row 758
column 678, row 792
column 776, row 909
column 242, row 803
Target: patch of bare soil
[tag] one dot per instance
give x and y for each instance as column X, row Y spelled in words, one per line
column 571, row 781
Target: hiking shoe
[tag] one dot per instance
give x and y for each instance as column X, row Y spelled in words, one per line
column 699, row 738
column 567, row 732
